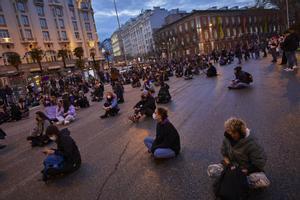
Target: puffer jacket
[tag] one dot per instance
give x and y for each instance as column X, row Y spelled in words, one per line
column 245, row 153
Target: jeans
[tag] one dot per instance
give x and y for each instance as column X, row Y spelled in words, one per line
column 160, row 152
column 291, row 58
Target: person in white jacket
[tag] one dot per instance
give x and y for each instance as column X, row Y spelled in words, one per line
column 68, row 115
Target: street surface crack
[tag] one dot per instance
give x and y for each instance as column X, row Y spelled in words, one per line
column 112, row 172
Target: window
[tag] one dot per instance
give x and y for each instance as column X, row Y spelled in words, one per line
column 70, row 3
column 2, row 20
column 46, row 35
column 77, row 35
column 28, row 34
column 25, row 20
column 227, row 20
column 84, row 5
column 250, row 19
column 90, row 36
column 206, row 36
column 58, row 12
column 198, row 24
column 73, row 15
column 213, row 20
column 186, row 27
column 61, row 23
column 204, row 21
column 215, row 34
column 234, row 31
column 192, row 24
column 228, row 32
column 180, row 28
column 43, row 23
column 21, row 6
column 87, row 27
column 75, row 26
column 64, row 35
column 233, row 20
column 40, row 11
column 85, row 16
column 239, row 20
column 4, row 34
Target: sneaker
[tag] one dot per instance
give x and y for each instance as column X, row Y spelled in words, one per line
column 295, row 67
column 59, row 123
column 67, row 122
column 104, row 116
column 289, row 69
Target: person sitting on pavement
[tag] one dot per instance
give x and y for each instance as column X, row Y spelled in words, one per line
column 110, row 106
column 23, row 108
column 148, row 86
column 82, row 101
column 240, row 150
column 69, row 113
column 145, row 107
column 164, row 95
column 2, row 137
column 4, row 113
column 242, row 79
column 119, row 91
column 166, row 144
column 65, row 158
column 97, row 94
column 15, row 112
column 38, row 136
column 211, row 71
column 50, row 109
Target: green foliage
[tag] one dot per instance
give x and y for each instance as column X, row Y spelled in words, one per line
column 63, row 54
column 37, row 55
column 78, row 52
column 14, row 59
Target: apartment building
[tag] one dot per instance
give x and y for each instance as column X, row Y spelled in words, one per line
column 204, row 30
column 47, row 24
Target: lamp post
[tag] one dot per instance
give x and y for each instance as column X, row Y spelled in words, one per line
column 287, row 13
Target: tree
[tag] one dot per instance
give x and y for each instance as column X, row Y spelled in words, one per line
column 37, row 55
column 78, row 52
column 93, row 54
column 63, row 54
column 14, row 59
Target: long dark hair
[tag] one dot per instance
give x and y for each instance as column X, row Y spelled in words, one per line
column 42, row 115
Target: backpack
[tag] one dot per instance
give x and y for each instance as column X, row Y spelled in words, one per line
column 249, row 77
column 53, row 163
column 232, row 185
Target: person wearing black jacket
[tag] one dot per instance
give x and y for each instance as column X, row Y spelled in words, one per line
column 290, row 45
column 167, row 141
column 164, row 95
column 145, row 107
column 66, row 148
column 242, row 79
column 211, row 71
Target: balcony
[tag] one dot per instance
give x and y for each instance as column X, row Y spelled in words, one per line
column 28, row 40
column 55, row 2
column 63, row 40
column 6, row 41
column 39, row 2
column 48, row 41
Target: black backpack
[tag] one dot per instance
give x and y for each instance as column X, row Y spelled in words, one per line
column 249, row 77
column 231, row 185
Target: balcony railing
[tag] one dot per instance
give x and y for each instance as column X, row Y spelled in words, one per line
column 6, row 41
column 39, row 2
column 28, row 40
column 55, row 2
column 63, row 40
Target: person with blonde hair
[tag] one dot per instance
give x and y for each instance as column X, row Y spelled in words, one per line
column 241, row 151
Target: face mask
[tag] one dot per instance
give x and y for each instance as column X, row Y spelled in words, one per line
column 154, row 116
column 53, row 138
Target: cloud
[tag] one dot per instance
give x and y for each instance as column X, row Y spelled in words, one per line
column 153, row 3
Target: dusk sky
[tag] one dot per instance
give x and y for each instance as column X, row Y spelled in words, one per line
column 107, row 23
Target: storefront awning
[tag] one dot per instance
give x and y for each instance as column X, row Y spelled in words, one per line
column 54, row 67
column 32, row 70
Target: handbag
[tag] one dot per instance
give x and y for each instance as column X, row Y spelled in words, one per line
column 232, row 184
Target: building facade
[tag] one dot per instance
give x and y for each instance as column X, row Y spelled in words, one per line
column 137, row 33
column 50, row 25
column 117, row 46
column 204, row 30
column 106, row 46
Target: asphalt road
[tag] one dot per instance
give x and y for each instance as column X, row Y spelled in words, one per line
column 117, row 166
